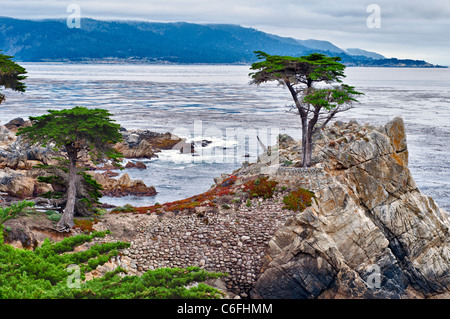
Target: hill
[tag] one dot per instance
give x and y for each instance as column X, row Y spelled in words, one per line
column 179, row 42
column 355, row 51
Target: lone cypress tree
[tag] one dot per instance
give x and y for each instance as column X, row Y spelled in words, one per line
column 11, row 75
column 71, row 131
column 315, row 106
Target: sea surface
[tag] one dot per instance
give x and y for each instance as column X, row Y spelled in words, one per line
column 217, row 103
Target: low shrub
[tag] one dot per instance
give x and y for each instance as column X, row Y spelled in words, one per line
column 14, row 210
column 298, row 200
column 261, row 188
column 54, row 217
column 124, row 209
column 55, row 271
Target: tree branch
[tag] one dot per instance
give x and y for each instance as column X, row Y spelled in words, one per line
column 295, row 97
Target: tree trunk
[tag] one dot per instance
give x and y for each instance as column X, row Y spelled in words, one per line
column 66, row 222
column 305, row 141
column 307, row 135
column 307, row 150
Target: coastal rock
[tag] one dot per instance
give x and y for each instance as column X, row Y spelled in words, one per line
column 17, row 154
column 138, row 165
column 145, row 143
column 123, row 186
column 17, row 123
column 6, row 136
column 370, row 232
column 141, row 150
column 21, row 184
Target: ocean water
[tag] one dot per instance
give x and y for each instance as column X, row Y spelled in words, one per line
column 216, row 103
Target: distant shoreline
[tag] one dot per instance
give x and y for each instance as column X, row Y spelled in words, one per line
column 137, row 62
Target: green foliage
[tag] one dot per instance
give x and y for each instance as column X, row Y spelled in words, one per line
column 331, row 98
column 298, row 200
column 14, row 210
column 94, row 188
column 306, row 70
column 54, row 217
column 11, row 75
column 44, row 274
column 78, row 127
column 127, row 208
column 314, row 67
column 164, row 283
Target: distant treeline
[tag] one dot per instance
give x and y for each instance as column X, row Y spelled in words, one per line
column 53, row 40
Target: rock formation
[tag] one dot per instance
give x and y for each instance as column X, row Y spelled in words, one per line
column 123, row 186
column 21, row 184
column 370, row 233
column 145, row 143
column 18, row 159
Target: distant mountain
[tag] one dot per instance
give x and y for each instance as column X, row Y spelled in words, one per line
column 321, row 45
column 369, row 54
column 181, row 42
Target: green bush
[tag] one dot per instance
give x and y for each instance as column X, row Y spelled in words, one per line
column 54, row 217
column 43, row 274
column 14, row 210
column 127, row 208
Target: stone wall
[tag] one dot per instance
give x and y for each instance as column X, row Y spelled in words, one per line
column 308, row 178
column 233, row 241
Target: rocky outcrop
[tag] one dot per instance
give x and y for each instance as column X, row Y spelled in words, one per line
column 370, row 233
column 145, row 143
column 18, row 160
column 17, row 154
column 21, row 184
column 138, row 165
column 17, row 123
column 122, row 186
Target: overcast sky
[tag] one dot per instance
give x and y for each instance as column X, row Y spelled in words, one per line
column 414, row 29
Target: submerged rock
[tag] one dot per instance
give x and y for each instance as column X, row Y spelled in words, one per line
column 138, row 165
column 370, row 233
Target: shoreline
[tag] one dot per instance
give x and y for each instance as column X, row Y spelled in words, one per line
column 167, row 63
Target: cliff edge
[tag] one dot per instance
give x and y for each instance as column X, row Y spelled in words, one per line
column 369, row 233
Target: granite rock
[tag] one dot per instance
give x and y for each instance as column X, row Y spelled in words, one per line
column 370, row 232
